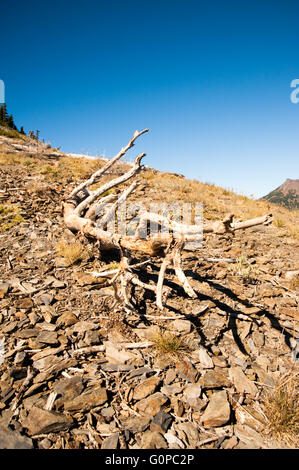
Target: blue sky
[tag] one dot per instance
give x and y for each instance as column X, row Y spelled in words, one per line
column 210, row 79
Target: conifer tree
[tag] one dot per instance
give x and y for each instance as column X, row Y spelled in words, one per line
column 3, row 113
column 10, row 122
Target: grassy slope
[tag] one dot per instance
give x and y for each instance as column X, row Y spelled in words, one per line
column 167, row 187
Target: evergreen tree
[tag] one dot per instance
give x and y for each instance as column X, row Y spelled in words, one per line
column 22, row 131
column 10, row 122
column 3, row 113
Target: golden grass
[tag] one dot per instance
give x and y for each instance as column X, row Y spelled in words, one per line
column 170, row 188
column 219, row 201
column 72, row 252
column 11, row 133
column 279, row 223
column 9, row 216
column 281, row 406
column 244, row 270
column 295, row 282
column 53, row 169
column 168, row 343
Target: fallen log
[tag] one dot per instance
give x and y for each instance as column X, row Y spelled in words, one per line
column 82, row 213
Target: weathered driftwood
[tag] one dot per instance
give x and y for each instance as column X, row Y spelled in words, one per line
column 82, row 213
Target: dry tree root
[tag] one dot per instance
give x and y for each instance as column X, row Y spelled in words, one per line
column 82, row 211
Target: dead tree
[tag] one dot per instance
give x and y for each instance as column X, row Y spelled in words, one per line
column 82, row 211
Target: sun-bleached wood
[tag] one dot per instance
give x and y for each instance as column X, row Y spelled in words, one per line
column 82, row 213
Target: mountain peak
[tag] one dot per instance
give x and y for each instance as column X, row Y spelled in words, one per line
column 287, row 194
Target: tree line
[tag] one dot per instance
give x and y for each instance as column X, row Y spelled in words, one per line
column 8, row 120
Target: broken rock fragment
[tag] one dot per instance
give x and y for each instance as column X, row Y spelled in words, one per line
column 152, row 404
column 161, row 422
column 41, row 421
column 88, row 400
column 217, row 412
column 146, row 388
column 187, row 371
column 241, row 382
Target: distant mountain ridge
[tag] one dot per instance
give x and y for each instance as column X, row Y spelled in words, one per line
column 287, row 194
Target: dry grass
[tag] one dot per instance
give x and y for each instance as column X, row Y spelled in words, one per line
column 281, row 406
column 295, row 282
column 279, row 223
column 72, row 252
column 168, row 187
column 9, row 216
column 169, row 343
column 219, row 201
column 244, row 270
column 57, row 169
column 8, row 132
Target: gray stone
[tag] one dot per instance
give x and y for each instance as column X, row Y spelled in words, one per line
column 68, row 389
column 152, row 404
column 146, row 388
column 44, row 299
column 230, row 443
column 47, row 337
column 44, row 443
column 81, row 327
column 41, row 421
column 161, row 422
column 28, row 333
column 192, row 392
column 88, row 400
column 214, row 379
column 153, row 440
column 170, row 390
column 111, row 442
column 182, row 326
column 191, row 432
column 20, row 357
column 137, row 424
column 25, row 303
column 217, row 412
column 170, row 376
column 241, row 382
column 115, row 353
column 92, row 337
column 187, row 371
column 45, row 362
column 249, row 437
column 13, row 439
column 59, row 365
column 206, row 361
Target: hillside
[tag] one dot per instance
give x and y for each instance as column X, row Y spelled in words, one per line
column 217, row 371
column 286, row 195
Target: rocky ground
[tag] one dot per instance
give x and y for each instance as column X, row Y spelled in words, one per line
column 79, row 372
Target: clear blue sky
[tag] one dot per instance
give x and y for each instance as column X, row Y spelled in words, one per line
column 211, row 79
